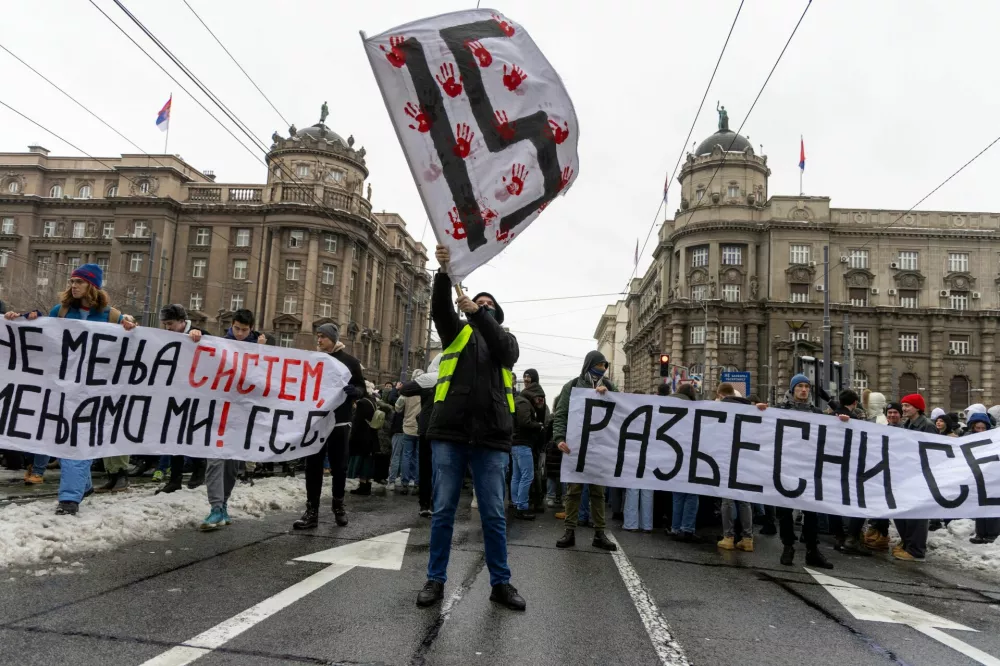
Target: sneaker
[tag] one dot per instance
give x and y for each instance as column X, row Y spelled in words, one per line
column 568, row 539
column 32, row 479
column 225, row 515
column 426, row 513
column 157, row 476
column 853, row 546
column 215, row 520
column 726, row 543
column 745, row 544
column 602, row 541
column 788, row 555
column 549, row 502
column 905, row 556
column 523, row 514
column 67, row 509
column 814, row 558
column 308, row 521
column 431, row 593
column 506, row 594
column 390, row 487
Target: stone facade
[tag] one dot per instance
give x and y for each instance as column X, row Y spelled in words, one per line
column 300, row 250
column 921, row 290
column 611, row 332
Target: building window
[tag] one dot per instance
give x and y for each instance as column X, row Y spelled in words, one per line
column 286, row 340
column 144, row 187
column 908, row 260
column 858, row 296
column 302, row 170
column 909, row 298
column 799, row 293
column 86, row 191
column 198, row 268
column 860, row 380
column 731, row 335
column 731, row 293
column 196, row 302
column 798, row 335
column 242, row 238
column 113, row 191
column 48, row 229
column 325, row 309
column 13, row 187
column 7, row 226
column 56, row 191
column 909, row 342
column 292, row 269
column 699, row 257
column 732, row 255
column 959, row 300
column 140, row 229
column 103, row 264
column 3, row 258
column 959, row 344
column 236, row 302
column 733, row 191
column 240, row 269
column 290, row 305
column 74, row 263
column 329, row 274
column 296, row 239
column 330, row 243
column 860, row 340
column 355, row 252
column 335, row 175
column 699, row 292
column 858, row 259
column 79, row 229
column 798, row 254
column 958, row 262
column 131, row 296
column 202, row 236
column 698, row 335
column 699, row 194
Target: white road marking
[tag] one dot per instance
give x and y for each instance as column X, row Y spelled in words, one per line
column 867, row 605
column 382, row 552
column 667, row 648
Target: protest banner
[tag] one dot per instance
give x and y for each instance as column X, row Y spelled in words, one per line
column 486, row 125
column 779, row 457
column 84, row 390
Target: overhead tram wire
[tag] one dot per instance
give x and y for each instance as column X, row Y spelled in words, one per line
column 663, row 199
column 563, row 298
column 761, row 91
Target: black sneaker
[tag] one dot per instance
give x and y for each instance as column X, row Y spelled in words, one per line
column 523, row 514
column 568, row 539
column 432, row 593
column 426, row 513
column 601, row 541
column 308, row 521
column 814, row 558
column 788, row 555
column 339, row 513
column 67, row 509
column 506, row 594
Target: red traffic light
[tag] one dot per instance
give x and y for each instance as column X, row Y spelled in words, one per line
column 664, row 358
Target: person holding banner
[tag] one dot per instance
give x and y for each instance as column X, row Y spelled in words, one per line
column 591, row 377
column 471, row 426
column 85, row 299
column 913, row 531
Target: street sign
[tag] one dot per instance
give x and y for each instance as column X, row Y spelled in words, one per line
column 739, row 380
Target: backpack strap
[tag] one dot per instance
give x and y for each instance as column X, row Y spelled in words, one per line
column 63, row 311
column 114, row 316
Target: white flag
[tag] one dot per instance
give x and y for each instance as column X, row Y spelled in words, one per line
column 486, row 124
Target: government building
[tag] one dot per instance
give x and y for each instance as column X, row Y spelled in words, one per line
column 300, row 250
column 737, row 283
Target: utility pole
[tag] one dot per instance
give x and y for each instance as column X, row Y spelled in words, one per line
column 827, row 328
column 848, row 354
column 147, row 315
column 407, row 327
column 427, row 344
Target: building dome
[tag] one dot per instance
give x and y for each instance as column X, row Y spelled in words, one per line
column 730, row 141
column 321, row 131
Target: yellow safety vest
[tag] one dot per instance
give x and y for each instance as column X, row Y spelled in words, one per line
column 449, row 361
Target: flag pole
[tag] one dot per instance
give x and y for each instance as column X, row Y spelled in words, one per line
column 166, row 141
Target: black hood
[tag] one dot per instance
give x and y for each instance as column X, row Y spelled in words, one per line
column 497, row 308
column 532, row 392
column 589, row 361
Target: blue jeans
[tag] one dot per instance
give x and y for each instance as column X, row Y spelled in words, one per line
column 555, row 490
column 522, row 475
column 396, row 461
column 410, row 445
column 39, row 464
column 638, row 509
column 685, row 512
column 449, row 463
column 74, row 480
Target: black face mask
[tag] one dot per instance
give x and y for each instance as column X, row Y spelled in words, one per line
column 490, row 312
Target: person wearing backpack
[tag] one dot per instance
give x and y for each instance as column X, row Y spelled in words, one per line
column 368, row 420
column 85, row 299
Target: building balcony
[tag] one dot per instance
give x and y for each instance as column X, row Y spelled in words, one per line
column 66, row 240
column 226, row 194
column 132, row 239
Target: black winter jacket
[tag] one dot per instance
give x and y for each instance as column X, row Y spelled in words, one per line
column 529, row 429
column 343, row 413
column 475, row 411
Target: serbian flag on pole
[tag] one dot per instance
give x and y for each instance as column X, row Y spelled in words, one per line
column 636, row 251
column 802, row 154
column 163, row 118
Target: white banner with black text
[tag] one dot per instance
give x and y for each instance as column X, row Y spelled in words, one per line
column 84, row 390
column 779, row 457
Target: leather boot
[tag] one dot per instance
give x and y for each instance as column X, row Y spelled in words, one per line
column 788, row 555
column 602, row 541
column 339, row 513
column 814, row 558
column 568, row 539
column 308, row 521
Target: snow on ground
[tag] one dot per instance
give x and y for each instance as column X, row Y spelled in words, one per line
column 951, row 545
column 32, row 534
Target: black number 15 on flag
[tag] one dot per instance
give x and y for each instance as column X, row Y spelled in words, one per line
column 486, row 124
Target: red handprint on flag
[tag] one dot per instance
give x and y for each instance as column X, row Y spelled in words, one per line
column 463, row 140
column 504, row 127
column 395, row 55
column 478, row 50
column 419, row 116
column 507, row 28
column 513, row 79
column 567, row 174
column 457, row 230
column 518, row 173
column 451, row 86
column 556, row 133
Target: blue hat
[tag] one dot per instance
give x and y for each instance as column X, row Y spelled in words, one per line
column 977, row 418
column 796, row 380
column 92, row 273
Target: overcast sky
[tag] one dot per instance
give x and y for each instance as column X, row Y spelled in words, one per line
column 889, row 95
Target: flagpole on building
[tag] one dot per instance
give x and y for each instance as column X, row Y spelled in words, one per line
column 166, row 141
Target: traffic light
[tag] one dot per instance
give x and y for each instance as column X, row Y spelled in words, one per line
column 664, row 365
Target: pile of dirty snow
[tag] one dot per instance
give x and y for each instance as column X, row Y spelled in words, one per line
column 951, row 545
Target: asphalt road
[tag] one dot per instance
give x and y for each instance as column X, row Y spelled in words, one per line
column 138, row 602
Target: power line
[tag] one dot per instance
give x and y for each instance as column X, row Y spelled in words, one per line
column 670, row 180
column 552, row 335
column 231, row 57
column 564, row 298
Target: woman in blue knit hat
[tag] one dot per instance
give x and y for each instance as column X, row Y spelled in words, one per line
column 84, row 299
